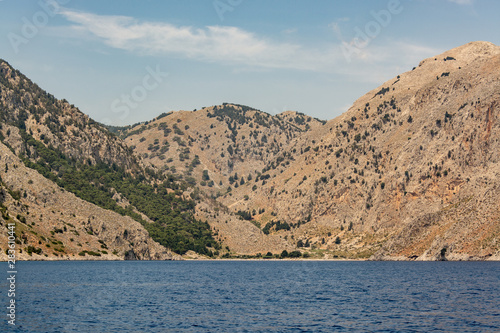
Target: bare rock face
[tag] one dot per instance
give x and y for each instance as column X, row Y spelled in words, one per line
column 53, row 224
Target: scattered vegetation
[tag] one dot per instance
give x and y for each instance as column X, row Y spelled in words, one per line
column 173, row 223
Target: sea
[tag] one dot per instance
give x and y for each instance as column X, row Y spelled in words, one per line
column 253, row 296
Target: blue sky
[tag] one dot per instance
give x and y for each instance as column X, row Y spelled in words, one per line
column 123, row 62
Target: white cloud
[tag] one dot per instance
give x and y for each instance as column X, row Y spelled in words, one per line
column 242, row 49
column 213, row 43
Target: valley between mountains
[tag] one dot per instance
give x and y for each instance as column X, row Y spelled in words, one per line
column 409, row 172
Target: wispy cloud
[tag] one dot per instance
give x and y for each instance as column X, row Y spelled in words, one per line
column 213, row 43
column 237, row 47
column 381, row 61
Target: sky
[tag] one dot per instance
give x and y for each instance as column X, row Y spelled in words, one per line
column 127, row 61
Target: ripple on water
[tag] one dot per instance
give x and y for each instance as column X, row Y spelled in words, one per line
column 258, row 297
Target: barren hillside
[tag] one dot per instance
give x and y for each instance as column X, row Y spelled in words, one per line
column 410, row 171
column 217, row 147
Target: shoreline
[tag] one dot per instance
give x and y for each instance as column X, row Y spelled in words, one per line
column 259, row 260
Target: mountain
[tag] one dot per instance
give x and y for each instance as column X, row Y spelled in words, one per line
column 77, row 155
column 211, row 145
column 218, row 149
column 409, row 172
column 51, row 223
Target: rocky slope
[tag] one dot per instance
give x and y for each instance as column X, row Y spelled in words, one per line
column 51, row 223
column 83, row 157
column 409, row 172
column 216, row 147
column 25, row 106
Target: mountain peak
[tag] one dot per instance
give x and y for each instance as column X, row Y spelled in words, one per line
column 477, row 47
column 466, row 53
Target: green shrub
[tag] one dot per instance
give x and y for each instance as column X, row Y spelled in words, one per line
column 31, row 249
column 174, row 225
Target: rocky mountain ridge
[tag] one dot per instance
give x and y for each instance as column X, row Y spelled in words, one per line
column 405, row 173
column 212, row 145
column 409, row 172
column 26, row 106
column 83, row 157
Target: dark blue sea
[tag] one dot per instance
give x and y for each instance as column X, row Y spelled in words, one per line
column 255, row 296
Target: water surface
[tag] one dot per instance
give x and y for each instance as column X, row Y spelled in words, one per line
column 257, row 296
